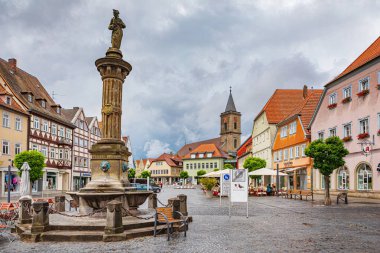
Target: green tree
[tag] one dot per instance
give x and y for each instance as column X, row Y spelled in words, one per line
column 184, row 174
column 145, row 174
column 36, row 161
column 254, row 163
column 201, row 173
column 228, row 166
column 131, row 173
column 327, row 156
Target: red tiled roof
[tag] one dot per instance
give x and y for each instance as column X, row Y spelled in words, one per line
column 245, row 147
column 307, row 108
column 207, row 148
column 372, row 52
column 13, row 106
column 171, row 160
column 281, row 104
column 191, row 146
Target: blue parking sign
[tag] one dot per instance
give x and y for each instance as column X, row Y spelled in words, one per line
column 226, row 177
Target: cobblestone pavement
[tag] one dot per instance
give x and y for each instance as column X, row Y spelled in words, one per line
column 275, row 225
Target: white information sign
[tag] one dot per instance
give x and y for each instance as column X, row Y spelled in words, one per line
column 225, row 179
column 239, row 186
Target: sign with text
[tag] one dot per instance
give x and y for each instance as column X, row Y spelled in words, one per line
column 225, row 179
column 239, row 186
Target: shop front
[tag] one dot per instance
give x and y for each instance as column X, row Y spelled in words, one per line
column 299, row 178
column 14, row 181
column 80, row 179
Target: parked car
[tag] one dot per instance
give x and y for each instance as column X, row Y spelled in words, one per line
column 142, row 187
column 142, row 181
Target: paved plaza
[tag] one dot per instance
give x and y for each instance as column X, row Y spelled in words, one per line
column 275, row 225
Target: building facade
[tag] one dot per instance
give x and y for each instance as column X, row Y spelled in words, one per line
column 290, row 142
column 207, row 157
column 166, row 168
column 13, row 137
column 86, row 134
column 49, row 131
column 243, row 152
column 350, row 109
column 141, row 165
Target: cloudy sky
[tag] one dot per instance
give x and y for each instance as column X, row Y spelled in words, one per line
column 185, row 55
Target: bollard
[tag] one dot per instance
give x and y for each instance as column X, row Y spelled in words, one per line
column 60, row 203
column 114, row 228
column 40, row 222
column 174, row 203
column 152, row 201
column 183, row 204
column 25, row 214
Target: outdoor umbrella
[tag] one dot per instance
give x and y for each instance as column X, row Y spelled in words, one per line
column 25, row 184
column 266, row 172
column 215, row 173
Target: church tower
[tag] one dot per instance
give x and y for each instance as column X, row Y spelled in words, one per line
column 230, row 127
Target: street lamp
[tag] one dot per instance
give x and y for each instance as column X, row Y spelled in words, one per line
column 277, row 178
column 9, row 180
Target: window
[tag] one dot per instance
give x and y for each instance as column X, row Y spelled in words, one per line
column 203, row 165
column 45, row 126
column 18, row 124
column 85, row 143
column 275, row 156
column 286, row 154
column 235, row 143
column 209, row 154
column 303, row 147
column 60, row 154
column 347, row 92
column 280, row 155
column 76, row 140
column 211, row 165
column 43, row 103
column 343, row 179
column 235, row 125
column 297, row 151
column 364, row 177
column 192, row 156
column 58, row 110
column 6, row 120
column 5, row 148
column 215, row 165
column 81, row 143
column 35, row 147
column 67, row 155
column 52, row 153
column 44, row 151
column 17, row 148
column 332, row 132
column 284, row 131
column 53, row 129
column 364, row 84
column 191, row 166
column 293, row 127
column 332, row 99
column 206, row 165
column 225, row 126
column 347, row 130
column 291, row 153
column 30, row 98
column 61, row 132
column 363, row 126
column 321, row 135
column 8, row 100
column 201, row 155
column 36, row 123
column 187, row 166
column 68, row 134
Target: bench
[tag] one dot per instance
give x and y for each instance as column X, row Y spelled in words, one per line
column 164, row 215
column 306, row 193
column 342, row 196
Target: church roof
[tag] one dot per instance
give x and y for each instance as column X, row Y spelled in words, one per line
column 230, row 107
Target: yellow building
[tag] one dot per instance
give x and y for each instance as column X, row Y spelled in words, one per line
column 166, row 168
column 13, row 137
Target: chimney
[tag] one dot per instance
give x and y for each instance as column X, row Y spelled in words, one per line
column 12, row 64
column 304, row 91
column 76, row 108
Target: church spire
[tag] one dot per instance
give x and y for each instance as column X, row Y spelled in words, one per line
column 230, row 107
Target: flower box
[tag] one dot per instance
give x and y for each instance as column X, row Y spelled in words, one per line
column 332, row 106
column 363, row 136
column 346, row 100
column 363, row 93
column 347, row 138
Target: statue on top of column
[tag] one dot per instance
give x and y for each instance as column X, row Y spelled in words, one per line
column 116, row 25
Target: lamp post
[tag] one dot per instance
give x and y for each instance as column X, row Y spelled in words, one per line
column 277, row 178
column 9, row 180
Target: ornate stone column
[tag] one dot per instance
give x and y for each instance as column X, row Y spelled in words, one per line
column 40, row 221
column 25, row 216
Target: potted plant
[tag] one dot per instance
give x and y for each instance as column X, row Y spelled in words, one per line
column 347, row 138
column 363, row 93
column 363, row 136
column 346, row 100
column 208, row 183
column 332, row 106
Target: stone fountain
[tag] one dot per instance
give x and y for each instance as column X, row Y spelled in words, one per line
column 109, row 162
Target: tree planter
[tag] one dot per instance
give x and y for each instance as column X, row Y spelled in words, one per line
column 332, row 106
column 346, row 100
column 346, row 139
column 363, row 93
column 363, row 136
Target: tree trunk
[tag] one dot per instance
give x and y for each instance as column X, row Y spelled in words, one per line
column 327, row 191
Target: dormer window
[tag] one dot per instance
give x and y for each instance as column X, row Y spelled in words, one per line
column 30, row 98
column 43, row 103
column 201, row 155
column 192, row 156
column 8, row 100
column 209, row 154
column 58, row 110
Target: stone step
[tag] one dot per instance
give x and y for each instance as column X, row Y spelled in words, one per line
column 127, row 226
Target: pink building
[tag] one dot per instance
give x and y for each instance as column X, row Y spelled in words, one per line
column 350, row 109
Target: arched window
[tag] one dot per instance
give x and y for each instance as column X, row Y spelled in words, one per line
column 343, row 179
column 364, row 174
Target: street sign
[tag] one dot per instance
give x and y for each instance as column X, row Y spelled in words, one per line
column 225, row 184
column 226, row 177
column 239, row 186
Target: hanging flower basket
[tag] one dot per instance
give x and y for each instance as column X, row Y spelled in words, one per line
column 332, row 106
column 346, row 100
column 347, row 138
column 363, row 93
column 363, row 136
